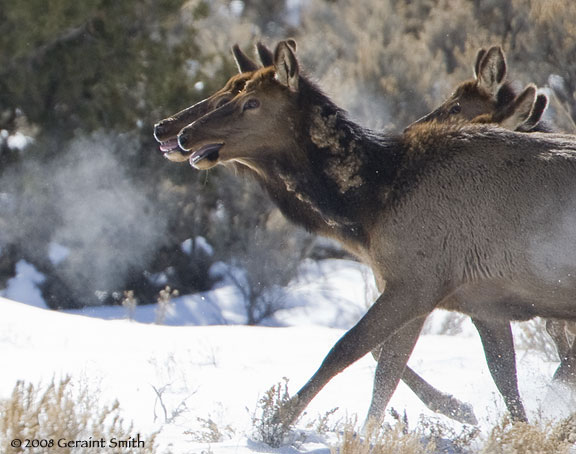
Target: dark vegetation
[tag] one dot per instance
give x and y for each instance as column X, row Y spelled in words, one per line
column 87, row 86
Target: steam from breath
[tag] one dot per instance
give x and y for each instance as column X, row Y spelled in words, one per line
column 106, row 220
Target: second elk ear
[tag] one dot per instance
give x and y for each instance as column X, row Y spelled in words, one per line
column 243, row 62
column 538, row 110
column 286, row 65
column 491, row 70
column 266, row 56
column 519, row 111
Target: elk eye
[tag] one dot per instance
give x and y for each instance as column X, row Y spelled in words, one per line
column 222, row 102
column 251, row 104
column 455, row 109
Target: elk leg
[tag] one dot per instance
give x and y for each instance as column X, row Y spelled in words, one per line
column 433, row 398
column 394, row 354
column 437, row 401
column 389, row 313
column 566, row 371
column 557, row 331
column 498, row 346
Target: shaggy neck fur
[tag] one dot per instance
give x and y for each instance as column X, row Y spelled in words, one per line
column 339, row 176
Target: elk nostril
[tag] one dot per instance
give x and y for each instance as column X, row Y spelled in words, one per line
column 159, row 130
column 182, row 141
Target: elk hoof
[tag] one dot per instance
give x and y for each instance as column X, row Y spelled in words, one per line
column 456, row 410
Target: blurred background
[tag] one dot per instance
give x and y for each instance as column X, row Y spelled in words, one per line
column 89, row 208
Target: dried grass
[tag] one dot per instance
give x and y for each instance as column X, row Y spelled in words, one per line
column 382, row 440
column 63, row 410
column 536, row 438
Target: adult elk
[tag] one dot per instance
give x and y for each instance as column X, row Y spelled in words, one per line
column 473, row 218
column 501, row 362
column 166, row 132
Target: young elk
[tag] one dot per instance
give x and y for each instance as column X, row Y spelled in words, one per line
column 469, row 218
column 166, row 132
column 488, row 93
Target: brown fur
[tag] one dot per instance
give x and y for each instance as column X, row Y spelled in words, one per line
column 499, row 104
column 487, row 98
column 344, row 171
column 475, row 219
column 166, row 131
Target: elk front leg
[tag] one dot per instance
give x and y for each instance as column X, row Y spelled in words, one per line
column 391, row 311
column 498, row 346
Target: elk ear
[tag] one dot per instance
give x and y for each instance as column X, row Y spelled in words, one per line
column 537, row 113
column 292, row 43
column 479, row 57
column 243, row 62
column 286, row 65
column 491, row 70
column 521, row 109
column 266, row 56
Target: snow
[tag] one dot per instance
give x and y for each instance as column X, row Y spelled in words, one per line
column 205, row 364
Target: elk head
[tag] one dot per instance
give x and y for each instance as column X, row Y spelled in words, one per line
column 255, row 125
column 166, row 131
column 484, row 94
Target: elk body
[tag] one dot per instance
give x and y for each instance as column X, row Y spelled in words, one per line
column 515, row 113
column 166, row 132
column 490, row 98
column 474, row 219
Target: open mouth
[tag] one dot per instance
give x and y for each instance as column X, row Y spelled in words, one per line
column 173, row 152
column 169, row 145
column 207, row 152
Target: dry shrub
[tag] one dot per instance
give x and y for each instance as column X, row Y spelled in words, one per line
column 382, row 440
column 269, row 423
column 210, row 432
column 537, row 438
column 62, row 411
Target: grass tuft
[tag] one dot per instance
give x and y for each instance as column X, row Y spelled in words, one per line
column 63, row 411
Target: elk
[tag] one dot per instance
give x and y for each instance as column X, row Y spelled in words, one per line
column 515, row 115
column 166, row 132
column 489, row 92
column 523, row 113
column 490, row 98
column 469, row 218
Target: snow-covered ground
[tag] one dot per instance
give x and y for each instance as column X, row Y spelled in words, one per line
column 205, row 364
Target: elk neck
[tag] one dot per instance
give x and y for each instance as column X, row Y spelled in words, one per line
column 336, row 177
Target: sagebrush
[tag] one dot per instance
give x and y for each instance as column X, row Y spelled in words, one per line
column 63, row 410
